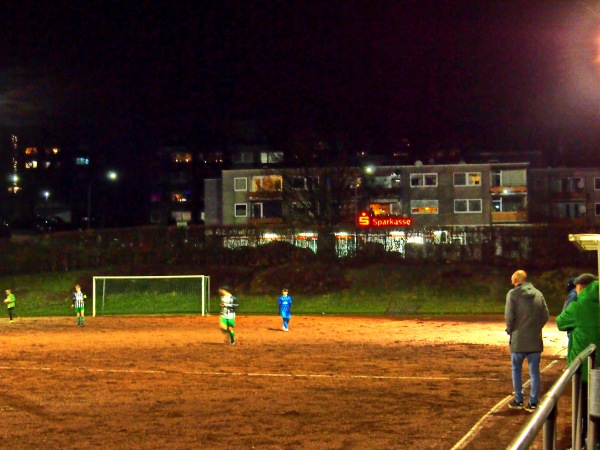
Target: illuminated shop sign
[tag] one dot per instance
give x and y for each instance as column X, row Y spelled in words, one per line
column 365, row 220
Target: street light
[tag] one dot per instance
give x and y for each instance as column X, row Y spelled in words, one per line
column 112, row 176
column 46, row 195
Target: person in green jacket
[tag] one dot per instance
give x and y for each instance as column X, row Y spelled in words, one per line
column 10, row 304
column 581, row 319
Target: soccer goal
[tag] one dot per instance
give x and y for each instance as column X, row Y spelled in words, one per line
column 173, row 294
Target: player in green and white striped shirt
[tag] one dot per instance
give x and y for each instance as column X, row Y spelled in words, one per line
column 228, row 307
column 79, row 305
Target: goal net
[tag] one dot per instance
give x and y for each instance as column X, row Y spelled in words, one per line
column 175, row 294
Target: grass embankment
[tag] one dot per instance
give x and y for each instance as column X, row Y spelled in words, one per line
column 374, row 290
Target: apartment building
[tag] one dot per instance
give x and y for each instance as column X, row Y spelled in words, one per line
column 430, row 195
column 567, row 195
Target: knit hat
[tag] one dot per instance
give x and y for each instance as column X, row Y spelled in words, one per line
column 585, row 279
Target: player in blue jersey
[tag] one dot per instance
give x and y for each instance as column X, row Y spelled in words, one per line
column 78, row 303
column 228, row 308
column 285, row 308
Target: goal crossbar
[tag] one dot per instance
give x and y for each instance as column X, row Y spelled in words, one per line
column 163, row 294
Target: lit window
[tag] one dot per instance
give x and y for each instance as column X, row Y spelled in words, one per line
column 31, row 164
column 271, row 157
column 467, row 179
column 267, row 183
column 241, row 210
column 31, row 151
column 179, row 197
column 81, row 161
column 240, row 184
column 467, row 206
column 181, row 157
column 424, row 206
column 423, row 179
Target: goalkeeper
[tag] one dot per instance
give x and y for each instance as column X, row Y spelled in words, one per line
column 228, row 307
column 79, row 304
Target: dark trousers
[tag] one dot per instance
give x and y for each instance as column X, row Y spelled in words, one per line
column 10, row 313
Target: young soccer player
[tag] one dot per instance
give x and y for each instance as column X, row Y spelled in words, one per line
column 79, row 304
column 228, row 307
column 10, row 304
column 285, row 308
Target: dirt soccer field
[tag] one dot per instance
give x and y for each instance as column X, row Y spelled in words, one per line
column 328, row 383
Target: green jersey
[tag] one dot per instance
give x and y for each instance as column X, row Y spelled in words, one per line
column 11, row 300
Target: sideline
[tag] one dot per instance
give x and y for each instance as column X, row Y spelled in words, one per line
column 467, row 438
column 245, row 374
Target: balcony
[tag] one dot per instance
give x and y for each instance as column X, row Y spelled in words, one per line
column 257, row 222
column 509, row 217
column 508, row 190
column 265, row 195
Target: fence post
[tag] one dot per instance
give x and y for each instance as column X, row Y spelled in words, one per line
column 593, row 401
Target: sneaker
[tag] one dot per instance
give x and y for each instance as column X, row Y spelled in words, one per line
column 513, row 404
column 531, row 407
column 233, row 343
column 285, row 329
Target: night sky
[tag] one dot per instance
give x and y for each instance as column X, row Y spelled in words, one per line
column 492, row 74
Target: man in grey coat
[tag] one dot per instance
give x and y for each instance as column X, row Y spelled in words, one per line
column 526, row 313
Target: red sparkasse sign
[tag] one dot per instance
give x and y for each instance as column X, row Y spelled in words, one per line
column 365, row 220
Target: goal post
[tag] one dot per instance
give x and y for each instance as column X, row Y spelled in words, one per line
column 165, row 294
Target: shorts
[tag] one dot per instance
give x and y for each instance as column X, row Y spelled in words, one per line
column 227, row 323
column 80, row 310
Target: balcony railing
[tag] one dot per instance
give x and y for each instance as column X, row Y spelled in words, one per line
column 265, row 195
column 508, row 190
column 509, row 217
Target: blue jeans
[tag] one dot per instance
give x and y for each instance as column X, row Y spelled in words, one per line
column 533, row 361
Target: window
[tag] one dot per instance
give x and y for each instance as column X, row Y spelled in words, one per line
column 423, row 179
column 31, row 151
column 508, row 203
column 300, row 209
column 570, row 210
column 597, row 209
column 386, row 209
column 271, row 157
column 467, row 205
column 81, row 161
column 31, row 164
column 181, row 157
column 597, row 183
column 242, row 157
column 240, row 184
column 424, row 206
column 180, row 197
column 571, row 184
column 267, row 209
column 266, row 183
column 241, row 210
column 305, row 183
column 299, row 183
column 467, row 179
column 257, row 210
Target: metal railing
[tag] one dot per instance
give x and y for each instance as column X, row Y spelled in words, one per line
column 546, row 414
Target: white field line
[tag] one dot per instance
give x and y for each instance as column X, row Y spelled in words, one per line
column 467, row 438
column 248, row 374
